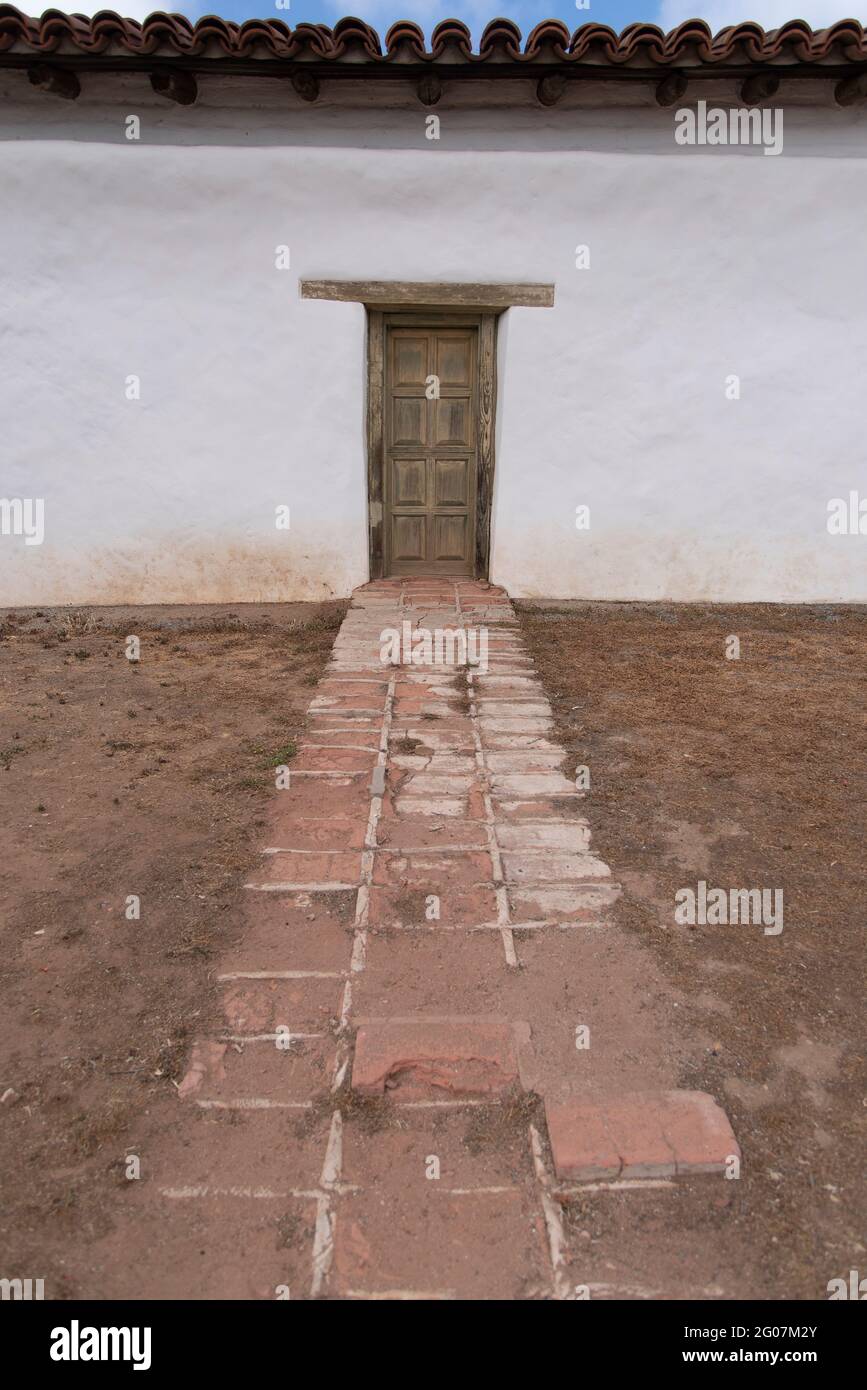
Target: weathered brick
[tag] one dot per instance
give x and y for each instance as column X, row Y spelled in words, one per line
column 510, row 808
column 417, row 973
column 433, row 783
column 437, row 806
column 307, row 867
column 514, row 760
column 407, row 906
column 368, row 701
column 531, row 784
column 438, row 763
column 699, row 1132
column 634, row 1124
column 421, row 1057
column 233, row 1153
column 341, row 738
column 485, row 1246
column 570, row 836
column 254, row 1007
column 554, row 868
column 580, row 1143
column 317, row 797
column 430, row 833
column 258, row 1071
column 316, row 759
column 578, row 903
column 331, row 833
column 435, row 872
column 650, row 1135
column 294, row 931
column 238, row 1249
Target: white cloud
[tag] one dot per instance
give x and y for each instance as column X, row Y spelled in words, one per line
column 771, row 14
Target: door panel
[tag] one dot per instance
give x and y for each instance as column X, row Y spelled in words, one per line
column 450, row 537
column 409, row 482
column 454, row 360
column 410, row 360
column 410, row 544
column 431, row 403
column 452, row 421
column 451, row 482
column 408, row 420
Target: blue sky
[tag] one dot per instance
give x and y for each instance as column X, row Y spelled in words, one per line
column 427, row 13
column 525, row 13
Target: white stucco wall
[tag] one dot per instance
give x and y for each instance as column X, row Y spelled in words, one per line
column 156, row 259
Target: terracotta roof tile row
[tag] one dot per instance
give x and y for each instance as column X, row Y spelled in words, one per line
column 353, row 41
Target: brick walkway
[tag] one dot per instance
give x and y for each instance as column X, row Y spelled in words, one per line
column 400, row 1089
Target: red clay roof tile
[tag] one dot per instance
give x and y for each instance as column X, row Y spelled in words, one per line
column 351, row 41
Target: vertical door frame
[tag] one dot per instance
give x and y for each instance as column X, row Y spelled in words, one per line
column 379, row 320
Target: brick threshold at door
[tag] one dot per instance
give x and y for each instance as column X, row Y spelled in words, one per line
column 427, row 811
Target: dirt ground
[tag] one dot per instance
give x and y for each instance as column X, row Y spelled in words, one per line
column 742, row 773
column 151, row 779
column 123, row 779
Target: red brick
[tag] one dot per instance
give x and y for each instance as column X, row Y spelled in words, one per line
column 580, row 1142
column 331, row 833
column 313, row 759
column 343, row 738
column 698, row 1131
column 432, row 833
column 261, row 1006
column 458, row 726
column 634, row 1125
column 345, row 796
column 421, row 810
column 236, row 1151
column 259, row 1071
column 414, row 709
column 391, row 1155
column 367, row 686
column 436, row 873
column 484, row 1246
column 297, row 931
column 423, row 690
column 310, row 867
column 476, row 804
column 323, row 723
column 581, row 902
column 534, row 808
column 432, row 972
column 421, row 1058
column 367, row 698
column 405, row 907
column 656, row 1134
column 220, row 1248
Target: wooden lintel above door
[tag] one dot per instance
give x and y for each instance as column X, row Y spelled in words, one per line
column 395, row 294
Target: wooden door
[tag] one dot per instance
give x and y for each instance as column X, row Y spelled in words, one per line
column 430, row 448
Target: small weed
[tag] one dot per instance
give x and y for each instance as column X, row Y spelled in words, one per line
column 79, row 621
column 283, row 755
